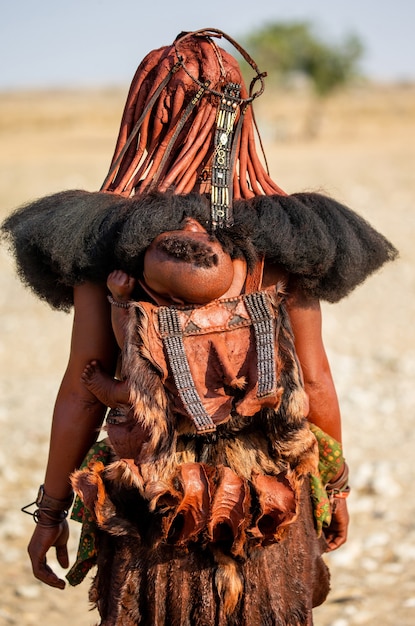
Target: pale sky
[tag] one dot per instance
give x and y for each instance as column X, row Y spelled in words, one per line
column 54, row 43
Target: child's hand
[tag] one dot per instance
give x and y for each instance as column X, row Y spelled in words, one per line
column 120, row 284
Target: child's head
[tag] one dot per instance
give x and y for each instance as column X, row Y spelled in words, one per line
column 188, row 265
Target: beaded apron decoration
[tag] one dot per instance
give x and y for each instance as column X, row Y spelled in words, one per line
column 175, row 323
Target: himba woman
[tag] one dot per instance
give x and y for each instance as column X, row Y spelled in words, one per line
column 221, row 479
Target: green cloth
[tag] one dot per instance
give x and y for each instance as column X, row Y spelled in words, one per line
column 330, row 463
column 87, row 549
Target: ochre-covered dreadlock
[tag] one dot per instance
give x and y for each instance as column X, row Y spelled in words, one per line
column 167, row 135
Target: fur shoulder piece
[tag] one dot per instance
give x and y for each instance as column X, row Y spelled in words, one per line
column 67, row 238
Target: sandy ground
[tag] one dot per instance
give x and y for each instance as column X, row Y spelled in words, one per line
column 364, row 155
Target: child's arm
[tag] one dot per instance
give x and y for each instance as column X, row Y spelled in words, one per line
column 121, row 286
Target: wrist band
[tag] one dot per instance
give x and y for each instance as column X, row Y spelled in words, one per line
column 339, row 489
column 48, row 517
column 340, row 494
column 43, row 501
column 341, row 484
column 336, row 495
column 120, row 305
column 53, row 509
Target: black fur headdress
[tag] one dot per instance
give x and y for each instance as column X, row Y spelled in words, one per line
column 74, row 236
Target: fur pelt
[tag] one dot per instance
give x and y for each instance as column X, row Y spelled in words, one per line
column 168, row 586
column 67, row 238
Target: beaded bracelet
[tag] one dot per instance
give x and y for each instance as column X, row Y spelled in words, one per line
column 120, row 305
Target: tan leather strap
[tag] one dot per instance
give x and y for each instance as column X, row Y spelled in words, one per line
column 253, row 280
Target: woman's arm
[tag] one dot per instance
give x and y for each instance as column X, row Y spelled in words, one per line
column 78, row 414
column 77, row 418
column 305, row 317
column 306, row 322
column 324, row 411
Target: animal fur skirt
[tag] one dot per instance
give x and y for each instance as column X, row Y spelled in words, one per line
column 165, row 585
column 150, row 578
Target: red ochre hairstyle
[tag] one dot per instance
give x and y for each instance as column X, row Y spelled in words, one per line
column 188, row 126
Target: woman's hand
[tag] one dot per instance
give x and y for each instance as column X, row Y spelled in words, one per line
column 44, row 538
column 336, row 533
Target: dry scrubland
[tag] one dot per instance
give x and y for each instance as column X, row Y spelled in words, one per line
column 365, row 156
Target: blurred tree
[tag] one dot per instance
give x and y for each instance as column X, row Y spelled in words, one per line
column 292, row 49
